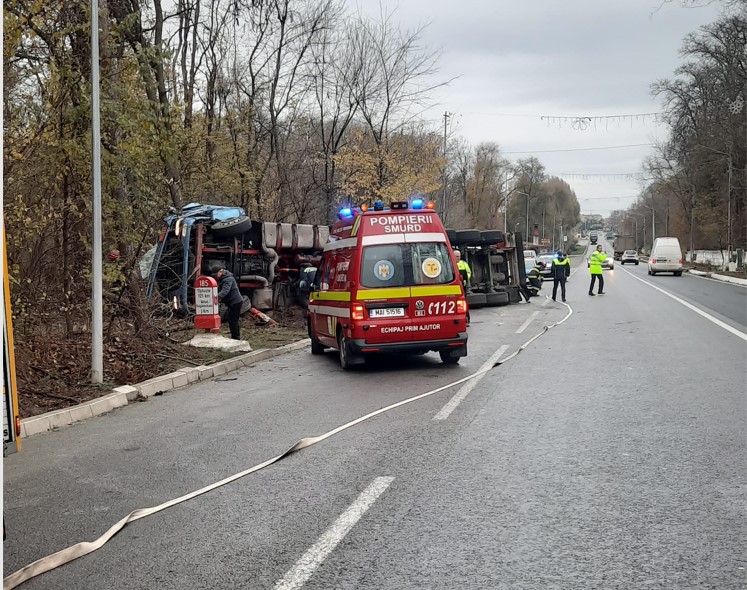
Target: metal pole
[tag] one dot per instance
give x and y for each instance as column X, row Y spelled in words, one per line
column 443, row 194
column 728, row 215
column 97, row 334
column 527, row 194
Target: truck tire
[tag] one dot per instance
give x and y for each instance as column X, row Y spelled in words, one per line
column 499, row 276
column 476, row 300
column 451, row 234
column 490, row 237
column 494, row 299
column 231, row 227
column 468, row 237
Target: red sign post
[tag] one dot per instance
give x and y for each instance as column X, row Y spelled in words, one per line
column 207, row 314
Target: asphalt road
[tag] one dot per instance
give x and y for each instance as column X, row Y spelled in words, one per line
column 608, row 454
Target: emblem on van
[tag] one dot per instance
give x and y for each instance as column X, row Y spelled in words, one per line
column 419, row 304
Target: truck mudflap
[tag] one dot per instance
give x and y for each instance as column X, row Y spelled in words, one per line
column 458, row 345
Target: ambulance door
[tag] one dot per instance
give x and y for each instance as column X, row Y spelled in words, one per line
column 384, row 291
column 435, row 293
column 323, row 317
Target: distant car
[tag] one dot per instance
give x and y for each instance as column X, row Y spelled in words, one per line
column 629, row 256
column 530, row 255
column 608, row 264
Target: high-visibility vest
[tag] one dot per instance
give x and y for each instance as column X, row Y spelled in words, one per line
column 463, row 266
column 595, row 262
column 560, row 273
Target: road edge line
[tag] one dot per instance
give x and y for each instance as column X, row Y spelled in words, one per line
column 692, row 307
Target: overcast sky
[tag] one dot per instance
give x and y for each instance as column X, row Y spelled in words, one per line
column 532, row 58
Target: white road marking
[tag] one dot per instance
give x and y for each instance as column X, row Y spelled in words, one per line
column 305, row 567
column 469, row 386
column 707, row 316
column 525, row 325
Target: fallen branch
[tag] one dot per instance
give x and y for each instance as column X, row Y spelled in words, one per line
column 53, row 395
column 178, row 358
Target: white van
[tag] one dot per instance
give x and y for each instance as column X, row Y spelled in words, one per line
column 666, row 256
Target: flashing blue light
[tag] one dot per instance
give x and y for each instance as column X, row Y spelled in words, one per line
column 346, row 212
column 378, row 206
column 417, row 203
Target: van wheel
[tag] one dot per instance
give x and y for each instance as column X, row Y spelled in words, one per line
column 342, row 343
column 447, row 358
column 316, row 346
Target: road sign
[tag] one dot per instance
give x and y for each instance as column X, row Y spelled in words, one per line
column 207, row 315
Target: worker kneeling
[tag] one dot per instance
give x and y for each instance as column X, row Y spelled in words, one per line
column 534, row 279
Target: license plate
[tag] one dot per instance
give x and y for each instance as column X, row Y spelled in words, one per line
column 387, row 312
column 661, row 260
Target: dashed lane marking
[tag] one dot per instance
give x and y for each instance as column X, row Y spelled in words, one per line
column 465, row 390
column 525, row 325
column 307, row 564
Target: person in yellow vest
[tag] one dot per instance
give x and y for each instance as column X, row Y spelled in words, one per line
column 561, row 269
column 463, row 269
column 596, row 260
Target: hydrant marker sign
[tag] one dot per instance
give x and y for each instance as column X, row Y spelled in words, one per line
column 204, row 301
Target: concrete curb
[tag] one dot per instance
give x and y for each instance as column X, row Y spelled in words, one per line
column 718, row 277
column 121, row 396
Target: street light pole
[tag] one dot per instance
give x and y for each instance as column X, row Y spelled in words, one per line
column 97, row 334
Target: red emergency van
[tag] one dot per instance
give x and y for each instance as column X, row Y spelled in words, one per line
column 387, row 283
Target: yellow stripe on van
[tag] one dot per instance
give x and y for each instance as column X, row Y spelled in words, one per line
column 330, row 296
column 394, row 293
column 432, row 290
column 400, row 292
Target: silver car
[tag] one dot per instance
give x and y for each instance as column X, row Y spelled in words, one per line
column 629, row 256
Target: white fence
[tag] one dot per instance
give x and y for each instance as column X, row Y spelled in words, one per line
column 717, row 258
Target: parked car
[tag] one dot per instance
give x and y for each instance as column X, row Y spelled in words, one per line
column 608, row 264
column 666, row 256
column 629, row 256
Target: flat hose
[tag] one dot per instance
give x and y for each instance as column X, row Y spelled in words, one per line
column 73, row 552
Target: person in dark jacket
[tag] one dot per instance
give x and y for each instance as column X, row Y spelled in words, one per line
column 534, row 279
column 561, row 270
column 228, row 293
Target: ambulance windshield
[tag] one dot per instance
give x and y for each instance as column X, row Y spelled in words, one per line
column 403, row 265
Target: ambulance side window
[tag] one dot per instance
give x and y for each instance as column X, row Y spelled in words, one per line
column 383, row 266
column 431, row 263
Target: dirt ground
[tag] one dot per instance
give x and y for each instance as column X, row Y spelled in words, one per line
column 53, row 372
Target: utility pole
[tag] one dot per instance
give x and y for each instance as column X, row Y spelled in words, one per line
column 447, row 114
column 97, row 332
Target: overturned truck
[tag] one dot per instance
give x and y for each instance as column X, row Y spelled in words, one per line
column 497, row 263
column 268, row 259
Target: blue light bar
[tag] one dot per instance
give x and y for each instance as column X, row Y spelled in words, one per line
column 378, row 206
column 417, row 203
column 346, row 212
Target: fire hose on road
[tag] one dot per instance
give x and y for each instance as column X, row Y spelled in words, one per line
column 64, row 556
